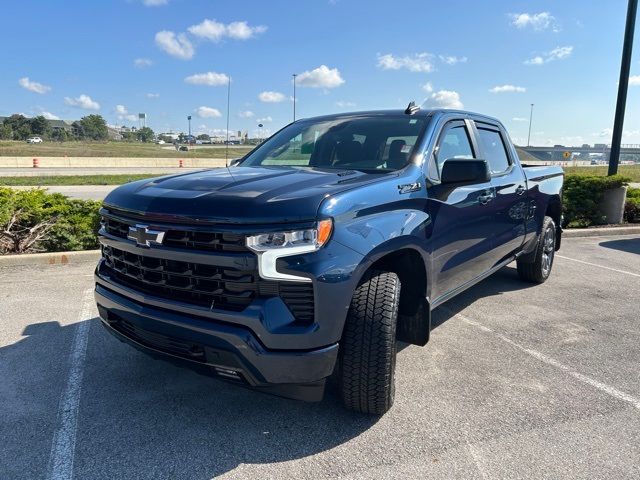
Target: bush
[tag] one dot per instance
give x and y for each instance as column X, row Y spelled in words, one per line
column 582, row 196
column 632, row 206
column 36, row 221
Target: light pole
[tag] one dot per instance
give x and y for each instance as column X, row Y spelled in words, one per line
column 530, row 120
column 260, row 134
column 294, row 96
column 623, row 85
column 189, row 137
column 226, row 149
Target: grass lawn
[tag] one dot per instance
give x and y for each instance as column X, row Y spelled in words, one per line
column 74, row 180
column 115, row 149
column 630, row 171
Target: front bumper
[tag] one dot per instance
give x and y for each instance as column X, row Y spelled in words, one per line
column 222, row 349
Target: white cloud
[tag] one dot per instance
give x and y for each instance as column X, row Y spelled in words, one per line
column 142, row 63
column 272, row 97
column 444, row 99
column 634, row 80
column 152, row 95
column 558, row 53
column 427, row 87
column 210, row 79
column 537, row 21
column 321, row 77
column 216, row 31
column 520, row 119
column 606, row 132
column 49, row 115
column 83, row 101
column 507, row 89
column 177, row 46
column 246, row 114
column 208, row 112
column 266, row 119
column 418, row 62
column 452, row 60
column 32, row 86
column 123, row 114
column 345, row 104
column 154, row 3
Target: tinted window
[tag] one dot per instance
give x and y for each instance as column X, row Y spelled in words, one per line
column 494, row 150
column 380, row 143
column 454, row 143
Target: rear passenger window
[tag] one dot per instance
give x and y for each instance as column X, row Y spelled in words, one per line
column 494, row 150
column 454, row 143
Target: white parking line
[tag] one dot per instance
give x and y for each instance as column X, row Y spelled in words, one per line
column 601, row 266
column 64, row 438
column 612, row 391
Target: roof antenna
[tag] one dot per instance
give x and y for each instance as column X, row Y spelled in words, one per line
column 412, row 108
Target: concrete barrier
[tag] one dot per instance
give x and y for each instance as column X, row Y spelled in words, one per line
column 102, row 162
column 52, row 258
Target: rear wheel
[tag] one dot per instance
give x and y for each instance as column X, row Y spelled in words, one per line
column 537, row 267
column 368, row 346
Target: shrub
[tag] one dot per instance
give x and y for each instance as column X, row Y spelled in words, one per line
column 632, row 206
column 36, row 221
column 582, row 196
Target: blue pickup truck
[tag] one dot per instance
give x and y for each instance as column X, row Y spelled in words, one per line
column 321, row 248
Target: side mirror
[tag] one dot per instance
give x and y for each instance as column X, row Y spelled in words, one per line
column 235, row 162
column 462, row 171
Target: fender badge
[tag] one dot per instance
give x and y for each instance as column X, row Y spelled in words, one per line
column 409, row 187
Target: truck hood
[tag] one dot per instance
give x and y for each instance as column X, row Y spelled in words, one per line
column 242, row 195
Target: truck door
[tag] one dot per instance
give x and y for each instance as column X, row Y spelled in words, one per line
column 462, row 217
column 507, row 178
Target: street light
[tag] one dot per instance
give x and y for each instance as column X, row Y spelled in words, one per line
column 530, row 119
column 294, row 96
column 623, row 85
column 189, row 137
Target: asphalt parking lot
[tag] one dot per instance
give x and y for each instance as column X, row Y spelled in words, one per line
column 518, row 381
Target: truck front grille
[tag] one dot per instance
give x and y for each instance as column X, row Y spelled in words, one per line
column 194, row 283
column 196, row 239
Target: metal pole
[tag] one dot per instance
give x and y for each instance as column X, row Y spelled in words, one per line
column 189, row 119
column 530, row 119
column 294, row 96
column 623, row 85
column 226, row 150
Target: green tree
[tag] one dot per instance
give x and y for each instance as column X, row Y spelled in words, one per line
column 93, row 127
column 145, row 134
column 5, row 132
column 203, row 137
column 59, row 135
column 40, row 126
column 20, row 126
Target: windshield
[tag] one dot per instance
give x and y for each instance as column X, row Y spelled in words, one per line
column 378, row 143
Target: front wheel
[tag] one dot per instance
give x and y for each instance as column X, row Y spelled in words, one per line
column 368, row 346
column 538, row 268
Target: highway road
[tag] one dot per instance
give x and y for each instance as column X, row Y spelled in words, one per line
column 518, row 381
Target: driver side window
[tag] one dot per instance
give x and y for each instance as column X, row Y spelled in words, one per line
column 454, row 142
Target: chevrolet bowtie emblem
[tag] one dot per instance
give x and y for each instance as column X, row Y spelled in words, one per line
column 144, row 237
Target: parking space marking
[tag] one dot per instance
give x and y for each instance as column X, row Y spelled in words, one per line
column 596, row 265
column 64, row 438
column 608, row 389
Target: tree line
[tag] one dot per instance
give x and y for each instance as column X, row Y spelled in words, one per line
column 91, row 127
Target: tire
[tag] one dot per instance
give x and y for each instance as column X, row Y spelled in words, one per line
column 368, row 347
column 537, row 268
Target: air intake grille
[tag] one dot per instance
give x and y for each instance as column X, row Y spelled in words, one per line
column 187, row 239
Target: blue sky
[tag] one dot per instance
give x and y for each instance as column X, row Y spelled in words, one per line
column 171, row 58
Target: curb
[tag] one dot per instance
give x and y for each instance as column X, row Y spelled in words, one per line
column 599, row 232
column 52, row 258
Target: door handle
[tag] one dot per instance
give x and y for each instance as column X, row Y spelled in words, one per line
column 520, row 190
column 485, row 197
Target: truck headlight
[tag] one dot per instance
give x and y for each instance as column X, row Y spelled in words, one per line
column 271, row 246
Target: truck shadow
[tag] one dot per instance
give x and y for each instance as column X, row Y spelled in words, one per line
column 630, row 245
column 504, row 280
column 144, row 418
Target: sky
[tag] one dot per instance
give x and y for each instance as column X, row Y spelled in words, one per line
column 173, row 58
